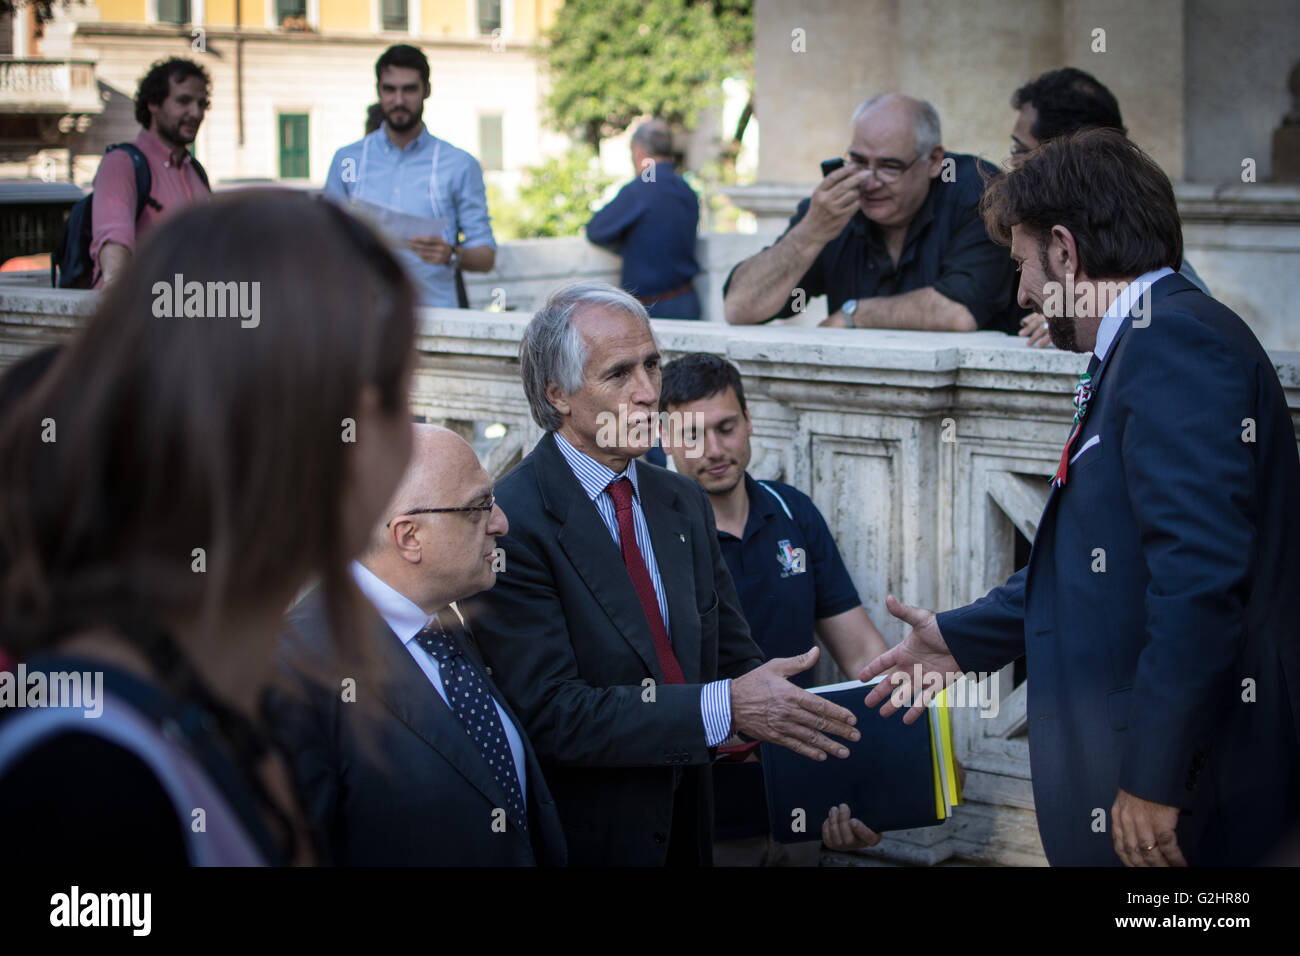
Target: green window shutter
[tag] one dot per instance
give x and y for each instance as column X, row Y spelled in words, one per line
column 294, row 146
column 489, row 16
column 289, row 8
column 173, row 11
column 394, row 14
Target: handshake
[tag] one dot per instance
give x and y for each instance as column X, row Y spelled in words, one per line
column 765, row 705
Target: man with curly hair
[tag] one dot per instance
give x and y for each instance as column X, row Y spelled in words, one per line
column 169, row 105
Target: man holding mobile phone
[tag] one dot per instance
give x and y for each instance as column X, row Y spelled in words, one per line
column 892, row 237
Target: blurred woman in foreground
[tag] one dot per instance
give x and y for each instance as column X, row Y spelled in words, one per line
column 202, row 469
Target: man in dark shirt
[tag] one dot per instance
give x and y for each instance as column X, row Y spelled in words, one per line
column 788, row 573
column 652, row 223
column 893, row 239
column 1051, row 105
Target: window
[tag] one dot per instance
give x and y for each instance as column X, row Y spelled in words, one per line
column 393, row 14
column 491, row 147
column 295, row 10
column 173, row 11
column 489, row 16
column 293, row 146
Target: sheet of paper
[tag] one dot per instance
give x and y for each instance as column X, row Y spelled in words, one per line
column 398, row 226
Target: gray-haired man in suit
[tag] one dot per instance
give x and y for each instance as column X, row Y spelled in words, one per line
column 615, row 629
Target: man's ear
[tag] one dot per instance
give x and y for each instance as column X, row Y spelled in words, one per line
column 749, row 424
column 428, row 88
column 405, row 541
column 559, row 401
column 1063, row 252
column 935, row 161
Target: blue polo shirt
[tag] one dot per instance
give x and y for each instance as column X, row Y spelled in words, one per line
column 788, row 573
column 787, row 569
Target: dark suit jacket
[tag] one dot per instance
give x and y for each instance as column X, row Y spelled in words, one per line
column 570, row 644
column 1136, row 671
column 428, row 799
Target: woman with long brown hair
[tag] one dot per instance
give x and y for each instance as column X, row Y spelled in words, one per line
column 225, row 429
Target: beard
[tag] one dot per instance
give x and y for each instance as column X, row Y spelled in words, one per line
column 1059, row 328
column 174, row 132
column 413, row 118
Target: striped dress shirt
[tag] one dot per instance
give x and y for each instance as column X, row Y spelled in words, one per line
column 715, row 699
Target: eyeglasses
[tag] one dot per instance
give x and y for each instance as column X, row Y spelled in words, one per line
column 886, row 171
column 476, row 509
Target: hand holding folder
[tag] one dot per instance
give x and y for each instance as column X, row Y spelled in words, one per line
column 898, row 776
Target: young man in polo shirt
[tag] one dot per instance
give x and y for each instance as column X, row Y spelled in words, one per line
column 788, row 573
column 169, row 105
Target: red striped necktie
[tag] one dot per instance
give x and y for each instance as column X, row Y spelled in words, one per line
column 620, row 489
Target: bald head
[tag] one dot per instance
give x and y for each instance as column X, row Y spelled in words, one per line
column 436, row 454
column 889, row 114
column 434, row 557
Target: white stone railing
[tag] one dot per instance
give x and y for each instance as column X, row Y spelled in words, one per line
column 926, row 452
column 37, row 85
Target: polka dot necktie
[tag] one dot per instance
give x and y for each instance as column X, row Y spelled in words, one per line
column 472, row 703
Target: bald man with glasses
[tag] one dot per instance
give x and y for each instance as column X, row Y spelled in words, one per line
column 415, row 758
column 892, row 237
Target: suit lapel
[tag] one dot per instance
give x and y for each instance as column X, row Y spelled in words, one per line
column 537, row 793
column 407, row 693
column 669, row 534
column 587, row 543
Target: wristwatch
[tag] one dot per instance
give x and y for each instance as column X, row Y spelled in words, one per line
column 848, row 308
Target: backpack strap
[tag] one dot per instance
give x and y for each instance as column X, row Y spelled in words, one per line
column 143, row 178
column 203, row 173
column 779, row 500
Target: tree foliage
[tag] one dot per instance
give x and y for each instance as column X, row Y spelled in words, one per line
column 555, row 198
column 610, row 61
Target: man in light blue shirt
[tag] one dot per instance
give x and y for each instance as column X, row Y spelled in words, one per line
column 403, row 166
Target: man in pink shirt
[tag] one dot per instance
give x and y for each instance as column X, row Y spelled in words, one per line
column 169, row 104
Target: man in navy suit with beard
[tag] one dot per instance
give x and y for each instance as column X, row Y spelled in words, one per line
column 1160, row 608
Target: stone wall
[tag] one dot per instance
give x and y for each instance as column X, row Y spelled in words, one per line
column 928, row 453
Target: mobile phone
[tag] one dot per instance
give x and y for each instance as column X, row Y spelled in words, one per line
column 830, row 165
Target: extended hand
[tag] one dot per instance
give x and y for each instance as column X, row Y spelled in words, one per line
column 924, row 645
column 766, row 706
column 431, row 249
column 841, row 831
column 833, row 321
column 1137, row 824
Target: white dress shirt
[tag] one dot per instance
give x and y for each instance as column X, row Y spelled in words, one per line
column 1113, row 321
column 406, row 620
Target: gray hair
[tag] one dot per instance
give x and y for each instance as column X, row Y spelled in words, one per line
column 654, row 137
column 552, row 350
column 925, row 120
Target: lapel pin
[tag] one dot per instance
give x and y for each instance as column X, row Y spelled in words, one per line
column 682, row 536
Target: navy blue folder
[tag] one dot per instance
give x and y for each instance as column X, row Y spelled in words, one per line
column 888, row 778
